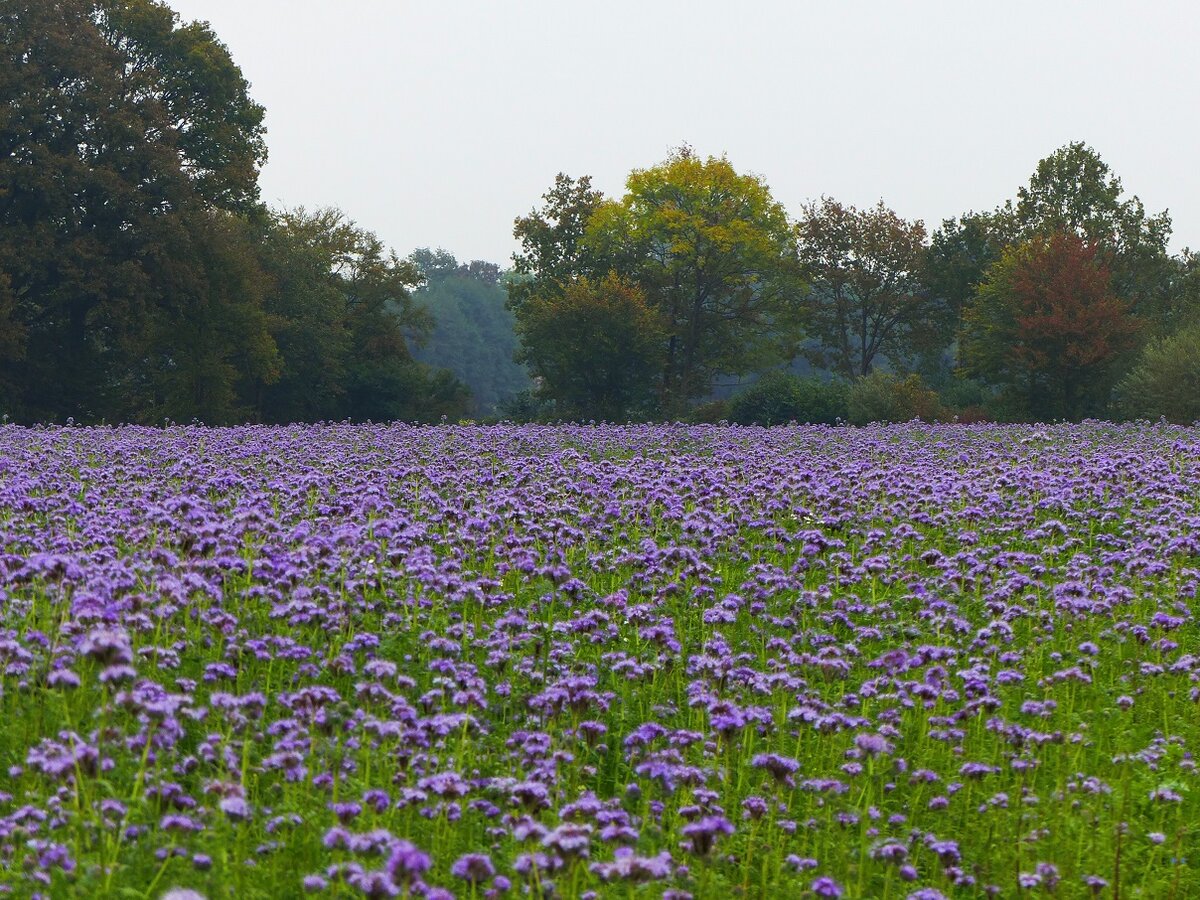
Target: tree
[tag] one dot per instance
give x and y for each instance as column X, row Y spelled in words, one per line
column 474, row 333
column 120, row 128
column 553, row 252
column 868, row 298
column 208, row 351
column 1073, row 190
column 715, row 255
column 1046, row 328
column 886, row 397
column 957, row 260
column 595, row 348
column 343, row 315
column 779, row 397
column 1166, row 380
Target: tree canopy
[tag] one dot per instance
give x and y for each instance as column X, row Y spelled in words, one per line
column 123, row 136
column 1046, row 327
column 595, row 348
column 868, row 298
column 142, row 278
column 473, row 334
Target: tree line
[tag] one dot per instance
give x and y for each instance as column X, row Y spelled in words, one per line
column 142, row 278
column 1061, row 303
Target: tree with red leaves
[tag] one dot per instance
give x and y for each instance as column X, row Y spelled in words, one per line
column 1046, row 328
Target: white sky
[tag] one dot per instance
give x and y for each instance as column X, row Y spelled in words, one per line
column 436, row 122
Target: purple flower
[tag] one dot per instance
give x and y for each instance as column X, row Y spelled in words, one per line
column 826, row 887
column 1165, row 795
column 107, row 646
column 704, row 832
column 872, row 744
column 473, row 868
column 637, row 869
column 235, row 808
column 406, row 862
column 781, row 768
column 570, row 840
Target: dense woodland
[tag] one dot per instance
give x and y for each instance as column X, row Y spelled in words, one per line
column 142, row 279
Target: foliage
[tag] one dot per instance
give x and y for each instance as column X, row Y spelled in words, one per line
column 1074, row 191
column 1165, row 383
column 886, row 397
column 1046, row 329
column 959, row 255
column 594, row 350
column 209, row 353
column 960, row 395
column 343, row 315
column 553, row 251
column 714, row 254
column 141, row 279
column 474, row 333
column 780, row 397
column 867, row 299
column 525, row 407
column 710, row 412
column 957, row 260
column 120, row 130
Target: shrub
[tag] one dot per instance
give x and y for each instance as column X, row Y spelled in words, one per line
column 1165, row 383
column 779, row 397
column 883, row 397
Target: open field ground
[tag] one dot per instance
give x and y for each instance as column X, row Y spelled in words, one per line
column 633, row 661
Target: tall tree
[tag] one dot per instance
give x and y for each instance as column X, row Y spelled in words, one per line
column 208, row 350
column 1046, row 328
column 1073, row 190
column 715, row 255
column 868, row 299
column 120, row 127
column 553, row 251
column 595, row 349
column 343, row 315
column 958, row 258
column 474, row 333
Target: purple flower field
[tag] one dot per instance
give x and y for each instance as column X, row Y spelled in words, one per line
column 653, row 661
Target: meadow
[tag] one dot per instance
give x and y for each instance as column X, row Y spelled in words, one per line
column 597, row 661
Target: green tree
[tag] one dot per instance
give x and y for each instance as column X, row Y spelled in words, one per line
column 474, row 333
column 957, row 260
column 553, row 251
column 715, row 255
column 594, row 349
column 119, row 129
column 868, row 299
column 343, row 315
column 1046, row 328
column 1166, row 380
column 779, row 397
column 1074, row 191
column 209, row 352
column 886, row 397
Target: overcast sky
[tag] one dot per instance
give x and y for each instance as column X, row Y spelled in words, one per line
column 436, row 122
